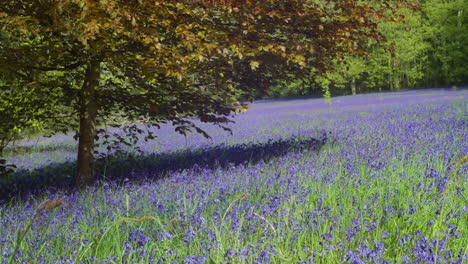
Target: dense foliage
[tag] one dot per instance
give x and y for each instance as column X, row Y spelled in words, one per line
column 389, row 185
column 430, row 47
column 159, row 61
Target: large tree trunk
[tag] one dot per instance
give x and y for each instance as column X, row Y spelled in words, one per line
column 88, row 112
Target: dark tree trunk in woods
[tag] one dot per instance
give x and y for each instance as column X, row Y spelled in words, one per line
column 353, row 85
column 88, row 112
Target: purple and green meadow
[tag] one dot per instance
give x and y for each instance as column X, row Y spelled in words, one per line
column 378, row 178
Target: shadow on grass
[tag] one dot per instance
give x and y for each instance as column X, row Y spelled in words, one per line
column 24, row 183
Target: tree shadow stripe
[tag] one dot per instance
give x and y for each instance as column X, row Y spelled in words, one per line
column 56, row 176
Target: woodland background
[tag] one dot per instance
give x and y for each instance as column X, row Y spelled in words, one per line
column 431, row 50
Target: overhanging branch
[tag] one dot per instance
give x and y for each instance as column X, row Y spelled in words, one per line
column 63, row 68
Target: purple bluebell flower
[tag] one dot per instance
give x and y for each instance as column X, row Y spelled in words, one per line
column 229, row 253
column 137, row 236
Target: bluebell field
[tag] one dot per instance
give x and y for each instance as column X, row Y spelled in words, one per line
column 377, row 178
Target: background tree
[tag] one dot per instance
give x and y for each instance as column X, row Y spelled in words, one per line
column 403, row 68
column 447, row 27
column 428, row 51
column 168, row 61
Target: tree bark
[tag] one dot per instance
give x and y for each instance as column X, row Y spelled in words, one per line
column 353, row 85
column 459, row 18
column 88, row 112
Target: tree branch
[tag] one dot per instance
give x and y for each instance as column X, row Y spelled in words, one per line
column 64, row 68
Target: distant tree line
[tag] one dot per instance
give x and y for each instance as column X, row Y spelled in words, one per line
column 429, row 50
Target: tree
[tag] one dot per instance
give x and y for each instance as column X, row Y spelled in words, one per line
column 159, row 61
column 429, row 49
column 17, row 111
column 447, row 26
column 25, row 107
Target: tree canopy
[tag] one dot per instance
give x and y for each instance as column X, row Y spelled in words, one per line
column 429, row 51
column 77, row 64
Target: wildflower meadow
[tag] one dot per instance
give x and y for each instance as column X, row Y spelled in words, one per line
column 374, row 178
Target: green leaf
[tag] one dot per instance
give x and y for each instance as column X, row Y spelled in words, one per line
column 254, row 65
